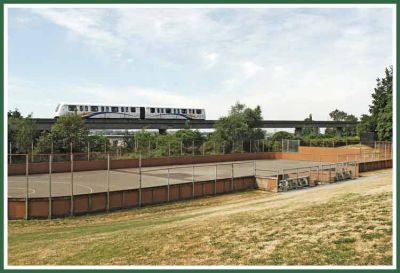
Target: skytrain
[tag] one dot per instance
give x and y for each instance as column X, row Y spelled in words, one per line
column 92, row 111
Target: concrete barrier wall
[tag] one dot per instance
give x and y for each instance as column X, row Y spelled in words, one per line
column 375, row 165
column 57, row 167
column 97, row 202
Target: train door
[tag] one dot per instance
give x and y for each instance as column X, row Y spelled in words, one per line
column 142, row 113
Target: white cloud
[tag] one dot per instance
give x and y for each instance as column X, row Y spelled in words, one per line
column 86, row 23
column 250, row 68
column 210, row 59
column 299, row 60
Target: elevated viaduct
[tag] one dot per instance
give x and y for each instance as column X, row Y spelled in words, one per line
column 164, row 124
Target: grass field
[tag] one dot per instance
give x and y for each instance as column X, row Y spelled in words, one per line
column 348, row 223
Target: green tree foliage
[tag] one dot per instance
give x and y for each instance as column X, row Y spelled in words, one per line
column 338, row 115
column 129, row 141
column 278, row 136
column 239, row 125
column 308, row 131
column 384, row 121
column 70, row 129
column 381, row 111
column 187, row 136
column 21, row 132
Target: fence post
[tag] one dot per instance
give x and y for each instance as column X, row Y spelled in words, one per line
column 215, row 179
column 169, row 149
column 181, row 148
column 282, row 147
column 10, row 153
column 203, row 147
column 254, row 168
column 168, row 184
column 32, row 151
column 214, row 148
column 232, row 182
column 88, row 151
column 72, row 184
column 242, row 146
column 263, row 145
column 192, row 147
column 149, row 149
column 250, row 146
column 108, row 182
column 27, row 187
column 233, row 147
column 140, row 179
column 50, row 171
column 383, row 146
column 193, row 181
column 223, row 147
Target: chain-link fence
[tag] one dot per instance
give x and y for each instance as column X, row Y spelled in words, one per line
column 147, row 149
column 71, row 187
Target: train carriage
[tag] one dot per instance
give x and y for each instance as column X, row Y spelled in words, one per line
column 92, row 111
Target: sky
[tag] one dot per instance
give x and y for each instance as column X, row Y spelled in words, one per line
column 290, row 61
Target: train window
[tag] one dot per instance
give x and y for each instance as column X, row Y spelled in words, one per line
column 184, row 111
column 190, row 111
column 102, row 109
column 86, row 108
column 122, row 109
column 114, row 109
column 198, row 111
column 152, row 110
column 162, row 110
column 58, row 106
column 94, row 108
column 168, row 110
column 81, row 108
column 126, row 109
column 107, row 109
column 133, row 109
column 71, row 107
column 158, row 110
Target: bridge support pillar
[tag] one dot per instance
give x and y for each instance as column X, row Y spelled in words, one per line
column 162, row 131
column 339, row 131
column 298, row 131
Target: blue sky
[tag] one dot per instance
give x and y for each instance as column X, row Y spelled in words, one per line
column 291, row 62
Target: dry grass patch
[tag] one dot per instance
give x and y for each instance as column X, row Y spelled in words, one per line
column 250, row 228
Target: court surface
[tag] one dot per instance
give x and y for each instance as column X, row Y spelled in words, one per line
column 62, row 184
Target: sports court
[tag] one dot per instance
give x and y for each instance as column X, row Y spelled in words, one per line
column 85, row 182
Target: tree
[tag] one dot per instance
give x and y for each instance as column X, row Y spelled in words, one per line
column 70, row 129
column 14, row 114
column 240, row 124
column 381, row 110
column 187, row 136
column 278, row 136
column 21, row 132
column 308, row 131
column 338, row 115
column 384, row 121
